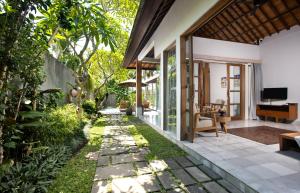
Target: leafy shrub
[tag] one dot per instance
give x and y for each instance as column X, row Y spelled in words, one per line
column 65, row 124
column 35, row 173
column 89, row 106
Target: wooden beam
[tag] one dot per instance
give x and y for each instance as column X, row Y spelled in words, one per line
column 268, row 19
column 291, row 13
column 191, row 89
column 240, row 26
column 246, row 19
column 276, row 12
column 183, row 79
column 226, row 37
column 233, row 36
column 138, row 85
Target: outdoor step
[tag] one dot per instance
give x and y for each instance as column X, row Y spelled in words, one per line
column 210, row 172
column 213, row 187
column 113, row 150
column 100, row 187
column 158, row 165
column 125, row 158
column 195, row 189
column 184, row 177
column 197, row 174
column 229, row 186
column 167, row 180
column 194, row 160
column 183, row 161
column 114, row 171
column 149, row 182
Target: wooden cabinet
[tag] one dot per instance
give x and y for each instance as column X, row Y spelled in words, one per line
column 288, row 112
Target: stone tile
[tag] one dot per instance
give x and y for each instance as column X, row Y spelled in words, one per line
column 195, row 189
column 183, row 161
column 92, row 156
column 172, row 164
column 113, row 150
column 184, row 177
column 158, row 165
column 143, row 168
column 100, row 187
column 213, row 187
column 197, row 174
column 125, row 158
column 229, row 186
column 115, row 171
column 148, row 182
column 167, row 180
column 127, row 185
column 279, row 169
column 210, row 172
column 176, row 190
column 262, row 172
column 194, row 160
column 103, row 161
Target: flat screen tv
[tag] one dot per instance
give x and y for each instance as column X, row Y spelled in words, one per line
column 275, row 93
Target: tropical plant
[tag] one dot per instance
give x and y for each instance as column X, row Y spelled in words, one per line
column 89, row 106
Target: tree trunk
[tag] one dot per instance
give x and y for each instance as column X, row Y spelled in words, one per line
column 3, row 75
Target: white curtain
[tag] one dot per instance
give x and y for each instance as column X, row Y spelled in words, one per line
column 256, row 87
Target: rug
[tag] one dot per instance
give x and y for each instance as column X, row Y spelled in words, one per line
column 262, row 134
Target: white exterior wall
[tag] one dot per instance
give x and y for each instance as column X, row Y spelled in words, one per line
column 280, row 55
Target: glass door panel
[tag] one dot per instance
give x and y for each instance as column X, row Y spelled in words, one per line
column 234, row 90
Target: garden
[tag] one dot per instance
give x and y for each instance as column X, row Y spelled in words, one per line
column 45, row 136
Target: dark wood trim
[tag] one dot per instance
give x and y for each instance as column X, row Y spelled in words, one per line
column 184, row 132
column 138, row 84
column 191, row 89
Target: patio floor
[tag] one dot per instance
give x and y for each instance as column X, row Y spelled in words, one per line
column 260, row 166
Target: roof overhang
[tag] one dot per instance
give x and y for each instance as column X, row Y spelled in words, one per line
column 149, row 16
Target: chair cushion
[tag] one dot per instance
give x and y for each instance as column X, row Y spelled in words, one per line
column 204, row 122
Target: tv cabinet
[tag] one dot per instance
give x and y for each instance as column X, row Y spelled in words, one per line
column 287, row 112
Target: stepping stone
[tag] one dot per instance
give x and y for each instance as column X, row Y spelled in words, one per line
column 100, row 187
column 125, row 158
column 176, row 190
column 172, row 164
column 136, row 149
column 167, row 180
column 115, row 171
column 127, row 185
column 93, row 156
column 195, row 189
column 210, row 172
column 184, row 162
column 213, row 187
column 197, row 174
column 149, row 182
column 103, row 161
column 194, row 160
column 143, row 168
column 184, row 177
column 113, row 150
column 158, row 165
column 229, row 186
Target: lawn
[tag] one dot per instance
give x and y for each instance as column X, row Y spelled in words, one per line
column 144, row 135
column 77, row 176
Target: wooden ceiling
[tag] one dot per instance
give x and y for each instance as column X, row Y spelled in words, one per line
column 243, row 22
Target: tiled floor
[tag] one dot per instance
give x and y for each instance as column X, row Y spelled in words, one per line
column 260, row 166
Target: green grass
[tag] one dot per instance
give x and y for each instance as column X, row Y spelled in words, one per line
column 77, row 176
column 160, row 147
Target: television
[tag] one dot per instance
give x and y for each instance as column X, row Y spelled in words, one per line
column 275, row 93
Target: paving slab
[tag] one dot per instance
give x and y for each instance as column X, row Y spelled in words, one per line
column 148, row 182
column 100, row 187
column 167, row 180
column 172, row 164
column 197, row 174
column 93, row 156
column 176, row 190
column 184, row 177
column 127, row 185
column 103, row 161
column 158, row 165
column 210, row 172
column 113, row 150
column 195, row 189
column 229, row 186
column 213, row 187
column 183, row 161
column 125, row 158
column 114, row 171
column 143, row 168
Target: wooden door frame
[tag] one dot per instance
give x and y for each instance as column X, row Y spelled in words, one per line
column 242, row 91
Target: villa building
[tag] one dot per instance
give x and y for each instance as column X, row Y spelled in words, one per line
column 243, row 55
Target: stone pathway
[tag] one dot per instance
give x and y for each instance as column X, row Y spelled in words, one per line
column 122, row 167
